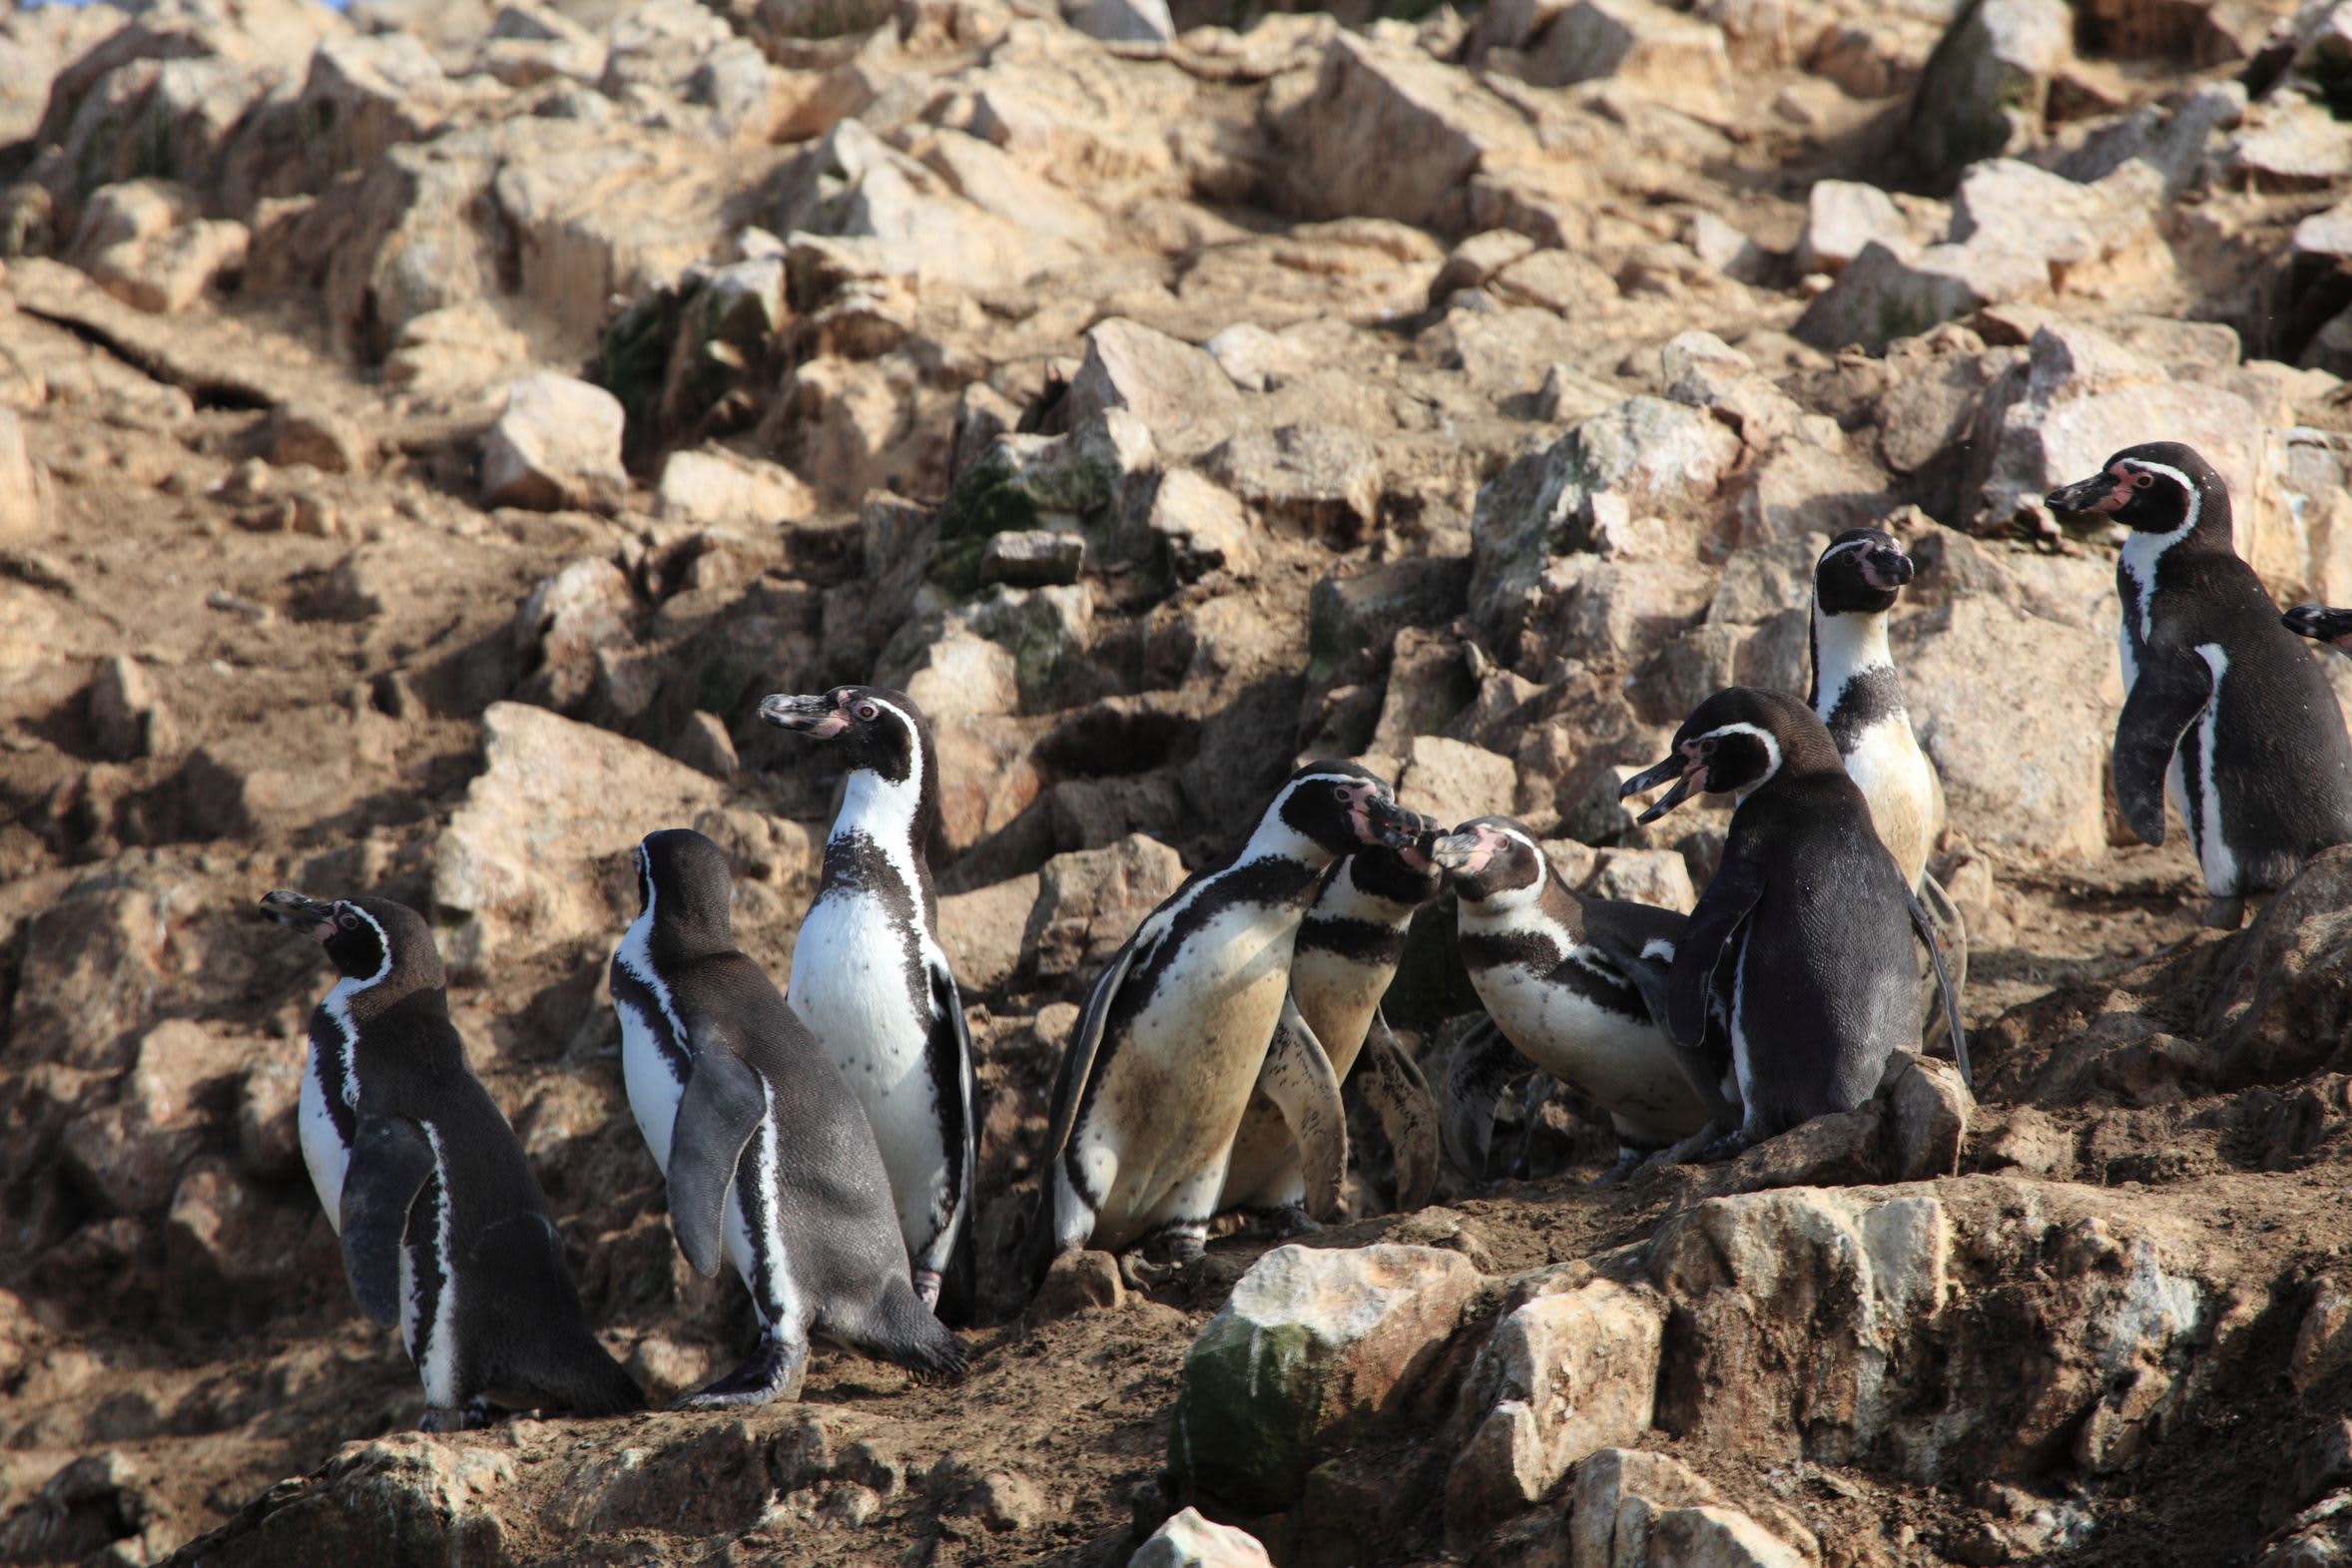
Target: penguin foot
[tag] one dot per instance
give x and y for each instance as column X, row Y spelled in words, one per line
column 774, row 1372
column 1629, row 1159
column 1729, row 1146
column 471, row 1416
column 1281, row 1221
column 926, row 1288
column 2225, row 914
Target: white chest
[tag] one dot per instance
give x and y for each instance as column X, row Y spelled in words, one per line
column 1618, row 1059
column 325, row 1154
column 850, row 986
column 1892, row 772
column 1337, row 996
column 653, row 1086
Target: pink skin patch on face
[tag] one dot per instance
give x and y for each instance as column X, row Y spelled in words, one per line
column 831, row 724
column 2126, row 481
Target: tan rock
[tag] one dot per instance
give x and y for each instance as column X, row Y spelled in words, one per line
column 1617, row 1497
column 1438, row 126
column 557, row 444
column 1090, row 900
column 1189, row 1541
column 1201, row 527
column 1181, row 394
column 24, row 508
column 1650, row 48
column 169, row 272
column 1840, row 216
column 717, row 487
column 1312, row 480
column 984, row 931
column 1454, row 781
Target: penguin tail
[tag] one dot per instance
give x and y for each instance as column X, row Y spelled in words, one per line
column 960, row 1287
column 906, row 1333
column 585, row 1380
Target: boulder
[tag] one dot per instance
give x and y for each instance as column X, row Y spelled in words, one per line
column 1673, row 57
column 1125, row 21
column 1437, row 124
column 1032, row 557
column 407, row 1498
column 1842, row 216
column 2281, row 1009
column 92, row 969
column 982, row 931
column 1090, row 900
column 24, row 508
column 1890, row 291
column 1615, row 1500
column 715, row 487
column 1356, row 612
column 1559, row 1377
column 1184, row 397
column 1454, row 781
column 558, row 444
column 536, row 858
column 364, row 95
column 1986, row 87
column 127, row 718
column 1189, row 1541
column 1083, row 480
column 1198, row 527
column 1316, row 1346
column 1643, row 457
column 1306, row 480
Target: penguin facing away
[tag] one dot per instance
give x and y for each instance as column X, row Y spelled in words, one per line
column 1857, row 694
column 1568, row 982
column 446, row 1232
column 872, row 983
column 1182, row 1025
column 2226, row 713
column 769, row 1158
column 1341, row 965
column 1801, row 942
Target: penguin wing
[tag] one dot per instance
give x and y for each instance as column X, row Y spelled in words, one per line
column 717, row 1115
column 1482, row 1065
column 1926, row 928
column 1077, row 1063
column 1297, row 1077
column 2172, row 688
column 1731, row 896
column 962, row 1134
column 392, row 1160
column 1399, row 1096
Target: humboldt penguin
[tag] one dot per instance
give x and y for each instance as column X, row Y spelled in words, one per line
column 768, row 1156
column 1183, row 1023
column 1801, row 943
column 446, row 1232
column 2226, row 713
column 1568, row 982
column 1344, row 957
column 872, row 983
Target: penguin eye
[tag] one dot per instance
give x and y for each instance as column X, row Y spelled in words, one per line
column 2141, row 479
column 868, row 712
column 347, row 921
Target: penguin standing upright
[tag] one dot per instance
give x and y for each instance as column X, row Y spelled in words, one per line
column 444, row 1230
column 2225, row 711
column 769, row 1159
column 1341, row 965
column 1859, row 697
column 1182, row 1024
column 1801, row 943
column 1568, row 982
column 872, row 983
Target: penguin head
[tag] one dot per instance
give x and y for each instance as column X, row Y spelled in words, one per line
column 874, row 727
column 1339, row 808
column 367, row 939
column 2158, row 487
column 1493, row 859
column 2321, row 625
column 1406, row 875
column 1859, row 573
column 1738, row 739
column 684, row 884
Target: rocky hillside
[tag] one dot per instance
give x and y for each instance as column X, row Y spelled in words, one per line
column 426, row 432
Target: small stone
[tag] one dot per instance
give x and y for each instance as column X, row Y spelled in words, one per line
column 1081, row 1281
column 1181, row 394
column 126, row 718
column 1840, row 216
column 1188, row 1540
column 325, row 441
column 1004, row 1501
column 1032, row 557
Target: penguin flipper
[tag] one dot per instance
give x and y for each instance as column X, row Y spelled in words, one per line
column 1927, row 933
column 950, row 1033
column 1297, row 1077
column 1731, row 896
column 1077, row 1063
column 392, row 1160
column 2172, row 688
column 1399, row 1096
column 717, row 1115
column 1484, row 1063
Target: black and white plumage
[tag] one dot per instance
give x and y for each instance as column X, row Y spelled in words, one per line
column 1858, row 696
column 2321, row 625
column 2225, row 711
column 1182, row 1025
column 1801, row 944
column 446, row 1232
column 1342, row 962
column 1568, row 983
column 770, row 1161
column 872, row 983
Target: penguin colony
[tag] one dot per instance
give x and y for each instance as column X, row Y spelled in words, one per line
column 821, row 1140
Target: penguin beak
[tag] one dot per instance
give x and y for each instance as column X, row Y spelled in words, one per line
column 1381, row 821
column 2102, row 492
column 1686, row 771
column 315, row 915
column 1421, row 855
column 1887, row 570
column 1457, row 853
column 2320, row 624
column 815, row 717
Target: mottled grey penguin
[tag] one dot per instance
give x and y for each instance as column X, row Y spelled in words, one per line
column 769, row 1158
column 444, row 1230
column 1801, row 943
